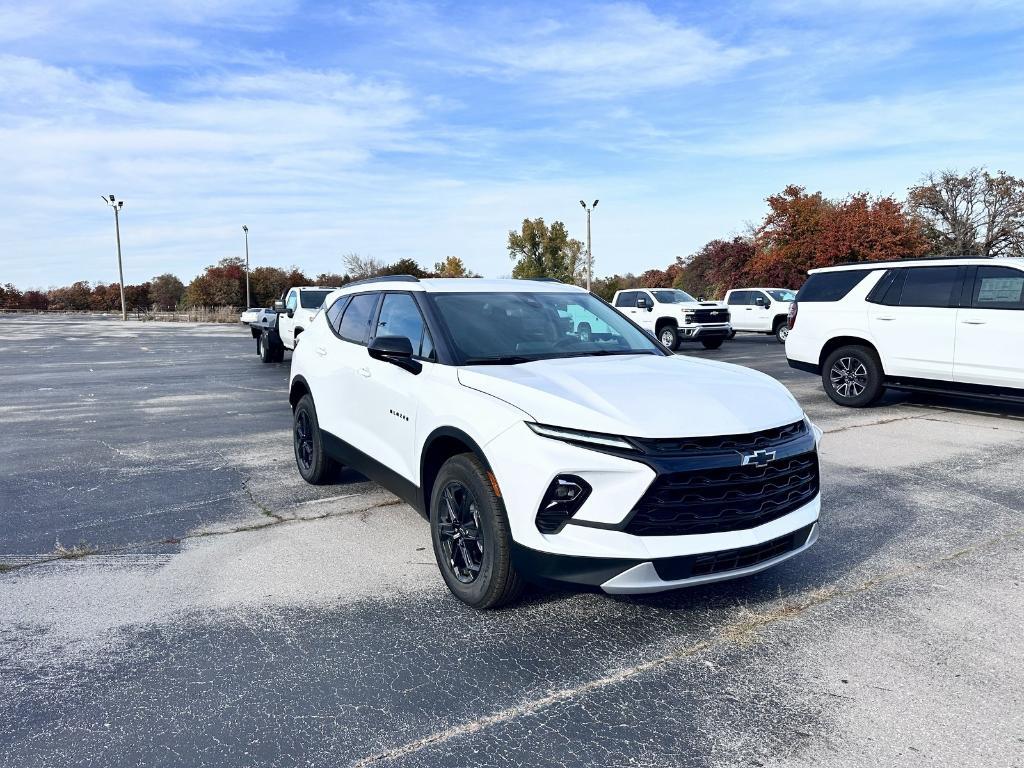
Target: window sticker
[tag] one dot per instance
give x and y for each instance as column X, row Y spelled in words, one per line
column 1005, row 290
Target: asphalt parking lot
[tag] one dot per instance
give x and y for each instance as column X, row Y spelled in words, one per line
column 173, row 594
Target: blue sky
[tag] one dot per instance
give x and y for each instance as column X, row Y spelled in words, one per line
column 431, row 129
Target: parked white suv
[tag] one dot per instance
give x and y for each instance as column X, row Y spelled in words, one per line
column 761, row 310
column 952, row 325
column 674, row 316
column 525, row 444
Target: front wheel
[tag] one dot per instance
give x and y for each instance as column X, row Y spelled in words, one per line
column 669, row 336
column 712, row 343
column 782, row 332
column 852, row 376
column 264, row 348
column 471, row 537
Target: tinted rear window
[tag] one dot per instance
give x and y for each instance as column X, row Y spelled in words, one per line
column 930, row 287
column 999, row 288
column 831, row 286
column 355, row 323
column 313, row 299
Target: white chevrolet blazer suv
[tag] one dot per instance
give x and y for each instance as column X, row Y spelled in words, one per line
column 940, row 325
column 540, row 453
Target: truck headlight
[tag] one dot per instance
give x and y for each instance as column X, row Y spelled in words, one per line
column 688, row 317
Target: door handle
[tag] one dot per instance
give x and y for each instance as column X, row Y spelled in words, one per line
column 364, row 372
column 322, row 351
column 885, row 317
column 750, row 309
column 973, row 322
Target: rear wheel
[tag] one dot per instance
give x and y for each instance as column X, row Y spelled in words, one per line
column 315, row 466
column 781, row 331
column 712, row 343
column 471, row 537
column 669, row 336
column 265, row 348
column 852, row 376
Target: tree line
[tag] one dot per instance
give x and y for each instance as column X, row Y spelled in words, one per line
column 947, row 213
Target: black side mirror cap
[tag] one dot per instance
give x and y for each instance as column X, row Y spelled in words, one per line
column 396, row 350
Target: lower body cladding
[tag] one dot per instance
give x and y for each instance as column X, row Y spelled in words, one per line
column 650, row 524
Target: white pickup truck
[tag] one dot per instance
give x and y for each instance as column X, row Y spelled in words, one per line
column 761, row 310
column 277, row 329
column 675, row 316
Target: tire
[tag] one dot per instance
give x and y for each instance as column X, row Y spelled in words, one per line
column 712, row 343
column 478, row 571
column 781, row 332
column 278, row 354
column 315, row 466
column 669, row 336
column 852, row 376
column 264, row 348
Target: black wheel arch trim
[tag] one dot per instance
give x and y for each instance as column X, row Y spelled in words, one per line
column 441, row 433
column 299, row 384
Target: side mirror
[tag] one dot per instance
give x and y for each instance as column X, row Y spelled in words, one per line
column 291, row 312
column 278, row 305
column 396, row 350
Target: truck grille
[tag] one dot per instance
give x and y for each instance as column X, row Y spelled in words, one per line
column 691, row 566
column 711, row 315
column 712, row 500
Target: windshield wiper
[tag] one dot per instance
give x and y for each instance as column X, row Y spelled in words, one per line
column 503, row 360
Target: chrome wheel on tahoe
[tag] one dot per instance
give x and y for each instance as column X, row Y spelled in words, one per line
column 852, row 376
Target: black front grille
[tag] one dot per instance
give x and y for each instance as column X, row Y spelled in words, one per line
column 690, row 566
column 752, row 441
column 711, row 315
column 719, row 499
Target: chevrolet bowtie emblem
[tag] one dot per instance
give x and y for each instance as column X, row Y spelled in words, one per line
column 759, row 458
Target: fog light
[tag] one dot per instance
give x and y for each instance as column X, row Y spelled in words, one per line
column 562, row 500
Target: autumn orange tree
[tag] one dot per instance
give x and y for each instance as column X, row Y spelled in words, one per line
column 803, row 231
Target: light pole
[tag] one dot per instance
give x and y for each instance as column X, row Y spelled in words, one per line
column 248, row 302
column 117, row 228
column 590, row 253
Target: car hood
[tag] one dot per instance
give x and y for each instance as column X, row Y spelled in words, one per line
column 639, row 395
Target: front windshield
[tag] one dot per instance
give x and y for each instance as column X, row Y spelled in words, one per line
column 672, row 297
column 313, row 299
column 781, row 294
column 508, row 328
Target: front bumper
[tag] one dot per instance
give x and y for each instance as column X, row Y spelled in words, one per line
column 630, row 576
column 705, row 331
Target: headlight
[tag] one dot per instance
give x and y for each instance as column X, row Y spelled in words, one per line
column 582, row 438
column 688, row 317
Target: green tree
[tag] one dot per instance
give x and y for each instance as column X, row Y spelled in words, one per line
column 542, row 251
column 453, row 266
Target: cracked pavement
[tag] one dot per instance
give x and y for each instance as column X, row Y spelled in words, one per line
column 223, row 612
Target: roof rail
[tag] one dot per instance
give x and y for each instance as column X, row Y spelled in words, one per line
column 385, row 279
column 879, row 264
column 543, row 279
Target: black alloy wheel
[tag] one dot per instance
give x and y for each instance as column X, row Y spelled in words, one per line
column 315, row 466
column 462, row 540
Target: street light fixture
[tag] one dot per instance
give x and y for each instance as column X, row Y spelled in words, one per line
column 590, row 253
column 116, row 204
column 248, row 301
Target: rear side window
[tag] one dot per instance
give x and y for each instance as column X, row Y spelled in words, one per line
column 831, row 286
column 334, row 313
column 998, row 288
column 626, row 299
column 930, row 287
column 355, row 323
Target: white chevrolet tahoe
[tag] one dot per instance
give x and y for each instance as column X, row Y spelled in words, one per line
column 674, row 316
column 943, row 325
column 761, row 310
column 522, row 440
